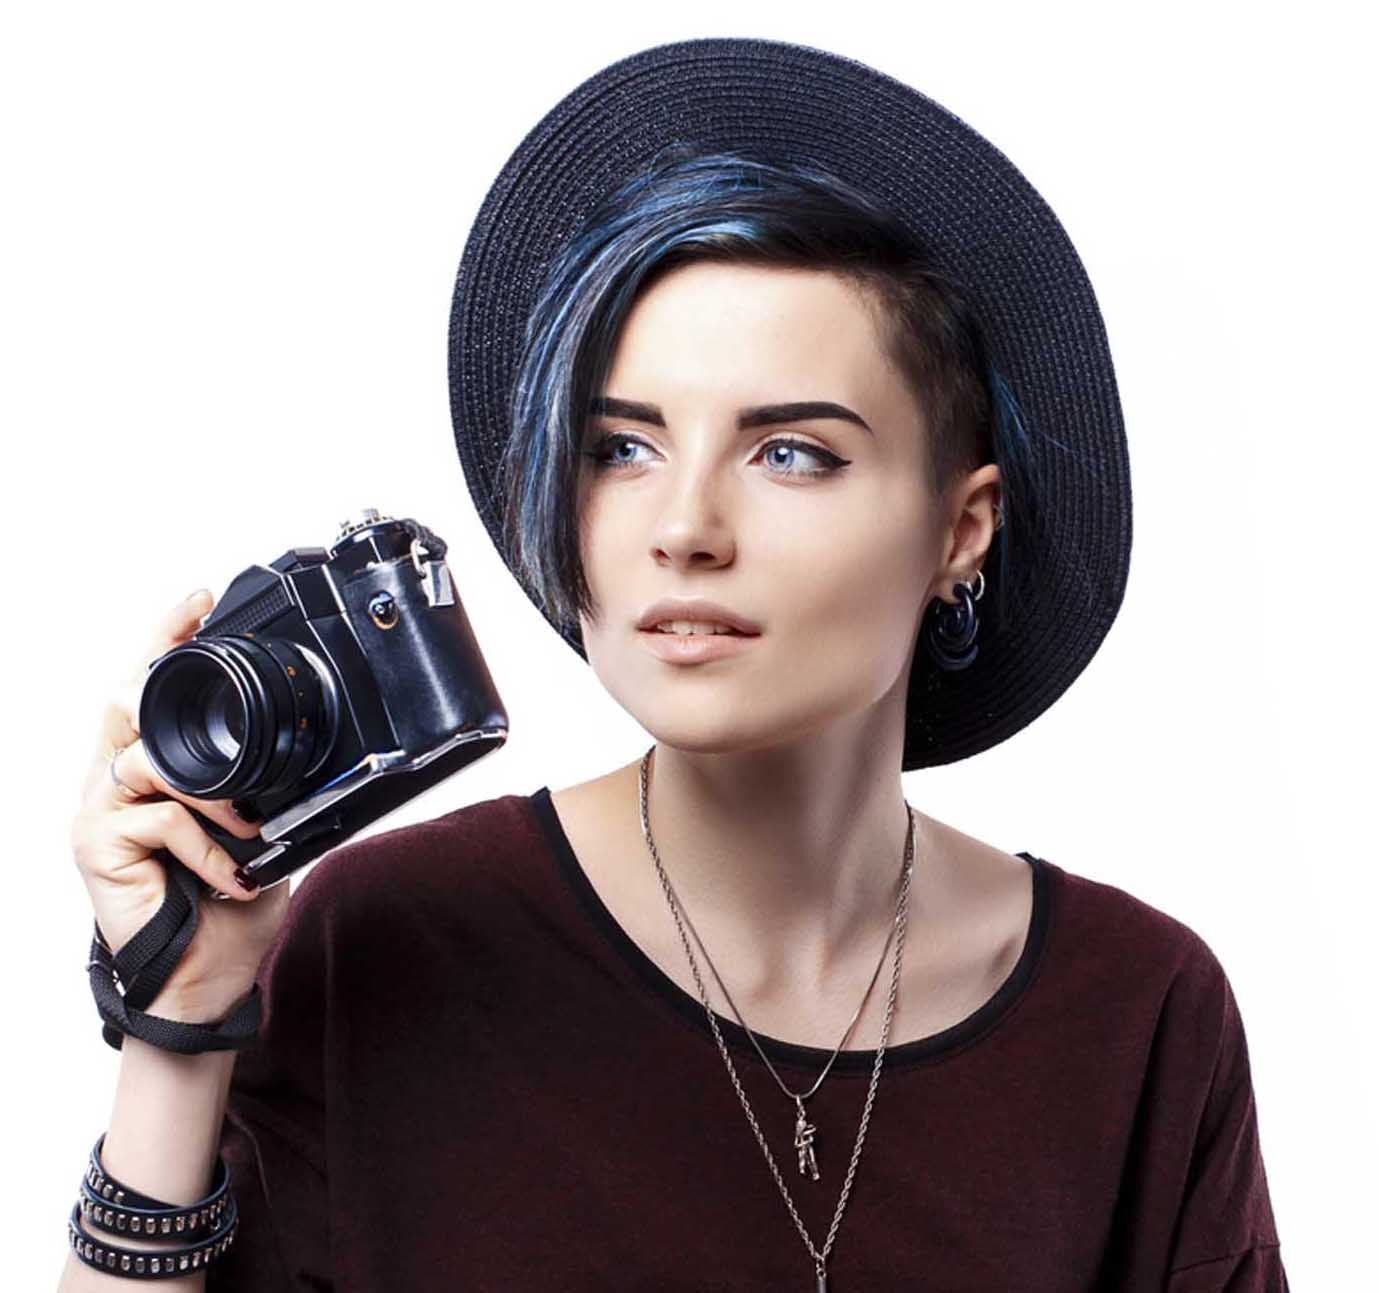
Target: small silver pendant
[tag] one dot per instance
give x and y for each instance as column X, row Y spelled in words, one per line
column 804, row 1146
column 823, row 1282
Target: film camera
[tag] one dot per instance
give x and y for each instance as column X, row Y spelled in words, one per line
column 322, row 692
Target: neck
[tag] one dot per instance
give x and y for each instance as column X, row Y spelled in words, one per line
column 788, row 866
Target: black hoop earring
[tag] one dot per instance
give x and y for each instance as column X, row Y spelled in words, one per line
column 950, row 630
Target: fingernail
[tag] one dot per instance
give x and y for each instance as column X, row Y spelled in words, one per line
column 198, row 595
column 243, row 883
column 245, row 812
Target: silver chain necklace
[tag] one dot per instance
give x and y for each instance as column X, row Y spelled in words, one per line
column 804, row 1133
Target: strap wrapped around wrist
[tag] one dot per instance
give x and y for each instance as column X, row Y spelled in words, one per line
column 144, row 964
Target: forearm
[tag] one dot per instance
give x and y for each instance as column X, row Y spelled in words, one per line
column 162, row 1139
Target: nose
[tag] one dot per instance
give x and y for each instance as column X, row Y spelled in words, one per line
column 691, row 525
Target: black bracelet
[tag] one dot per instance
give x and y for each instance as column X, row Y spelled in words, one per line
column 144, row 1264
column 114, row 1207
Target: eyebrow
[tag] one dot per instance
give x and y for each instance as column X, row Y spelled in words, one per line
column 760, row 416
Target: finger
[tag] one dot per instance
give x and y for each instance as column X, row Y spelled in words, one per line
column 170, row 825
column 139, row 781
column 119, row 729
column 176, row 626
column 120, row 721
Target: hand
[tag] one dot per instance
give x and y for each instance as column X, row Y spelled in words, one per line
column 114, row 838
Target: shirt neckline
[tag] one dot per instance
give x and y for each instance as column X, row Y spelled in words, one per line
column 857, row 1062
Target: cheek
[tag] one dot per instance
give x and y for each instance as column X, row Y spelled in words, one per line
column 844, row 599
column 860, row 570
column 602, row 539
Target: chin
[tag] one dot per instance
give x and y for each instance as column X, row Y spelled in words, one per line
column 699, row 727
column 689, row 729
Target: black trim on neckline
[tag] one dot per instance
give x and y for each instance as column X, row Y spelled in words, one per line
column 920, row 1050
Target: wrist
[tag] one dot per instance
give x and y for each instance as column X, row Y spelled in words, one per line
column 198, row 1003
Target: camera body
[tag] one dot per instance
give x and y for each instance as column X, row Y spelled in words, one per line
column 323, row 691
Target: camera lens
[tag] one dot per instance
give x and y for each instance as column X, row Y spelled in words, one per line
column 234, row 717
column 212, row 721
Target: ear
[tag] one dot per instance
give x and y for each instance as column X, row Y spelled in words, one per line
column 972, row 523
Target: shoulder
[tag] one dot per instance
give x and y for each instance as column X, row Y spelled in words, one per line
column 1142, row 962
column 393, row 905
column 1100, row 929
column 464, row 836
column 420, row 869
column 1111, row 921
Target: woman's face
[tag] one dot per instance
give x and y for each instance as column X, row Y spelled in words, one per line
column 819, row 529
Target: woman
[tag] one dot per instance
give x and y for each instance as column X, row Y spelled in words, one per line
column 741, row 393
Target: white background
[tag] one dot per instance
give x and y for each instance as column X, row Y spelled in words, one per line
column 232, row 238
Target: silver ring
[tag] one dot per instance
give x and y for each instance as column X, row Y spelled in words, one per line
column 981, row 586
column 129, row 792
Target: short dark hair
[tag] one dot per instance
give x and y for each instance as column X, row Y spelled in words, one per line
column 691, row 205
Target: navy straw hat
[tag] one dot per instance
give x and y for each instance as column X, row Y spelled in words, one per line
column 982, row 222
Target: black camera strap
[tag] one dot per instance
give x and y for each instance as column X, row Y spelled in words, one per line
column 432, row 542
column 143, row 966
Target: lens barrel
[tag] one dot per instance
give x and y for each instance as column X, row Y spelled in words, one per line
column 236, row 717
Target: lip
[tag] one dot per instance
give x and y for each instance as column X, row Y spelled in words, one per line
column 692, row 648
column 698, row 610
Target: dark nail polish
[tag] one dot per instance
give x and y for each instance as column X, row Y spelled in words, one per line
column 245, row 811
column 244, row 883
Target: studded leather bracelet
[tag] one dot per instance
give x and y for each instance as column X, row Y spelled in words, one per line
column 113, row 1207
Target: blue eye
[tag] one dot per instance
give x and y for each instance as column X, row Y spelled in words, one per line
column 831, row 462
column 601, row 454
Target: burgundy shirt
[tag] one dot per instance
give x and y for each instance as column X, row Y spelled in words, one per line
column 468, row 1076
